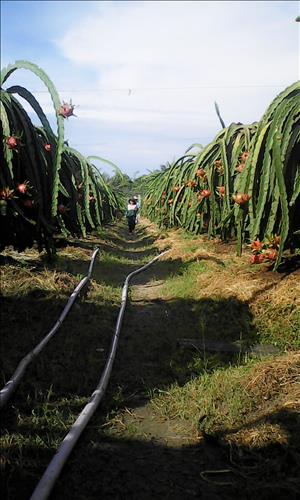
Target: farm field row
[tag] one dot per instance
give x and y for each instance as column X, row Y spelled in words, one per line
column 171, row 413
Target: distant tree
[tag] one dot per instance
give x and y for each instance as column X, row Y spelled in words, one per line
column 122, row 184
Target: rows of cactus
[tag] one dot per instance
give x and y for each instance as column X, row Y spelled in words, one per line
column 46, row 187
column 245, row 184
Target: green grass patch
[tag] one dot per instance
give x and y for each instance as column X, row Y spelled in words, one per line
column 216, row 400
column 279, row 326
column 184, row 284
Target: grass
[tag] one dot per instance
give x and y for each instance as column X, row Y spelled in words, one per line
column 212, row 272
column 57, row 385
column 215, row 397
column 240, row 404
column 184, row 283
column 229, row 397
column 250, row 406
column 21, row 282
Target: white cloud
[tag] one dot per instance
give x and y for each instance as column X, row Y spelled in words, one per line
column 145, row 46
column 150, row 72
column 177, row 42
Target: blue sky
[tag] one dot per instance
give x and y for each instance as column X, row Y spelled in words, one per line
column 144, row 75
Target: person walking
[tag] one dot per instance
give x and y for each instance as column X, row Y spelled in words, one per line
column 130, row 213
column 138, row 205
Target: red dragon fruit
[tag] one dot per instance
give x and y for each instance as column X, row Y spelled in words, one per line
column 66, row 110
column 22, row 188
column 12, row 142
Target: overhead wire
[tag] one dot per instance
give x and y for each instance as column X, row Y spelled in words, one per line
column 130, row 90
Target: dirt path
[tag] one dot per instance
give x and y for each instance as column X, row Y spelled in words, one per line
column 148, row 311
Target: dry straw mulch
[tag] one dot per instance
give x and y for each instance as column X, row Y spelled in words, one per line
column 274, row 387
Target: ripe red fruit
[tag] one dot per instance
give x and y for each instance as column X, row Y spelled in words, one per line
column 240, row 167
column 241, row 198
column 200, row 172
column 61, row 208
column 12, row 142
column 28, row 203
column 256, row 246
column 244, row 156
column 66, row 110
column 271, row 255
column 205, row 193
column 256, row 259
column 22, row 188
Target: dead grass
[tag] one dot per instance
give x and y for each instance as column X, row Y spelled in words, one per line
column 286, row 293
column 76, row 253
column 274, row 388
column 264, row 404
column 242, row 283
column 279, row 376
column 273, row 298
column 252, row 407
column 259, row 436
column 21, row 281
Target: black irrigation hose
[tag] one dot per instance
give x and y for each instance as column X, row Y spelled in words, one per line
column 47, row 481
column 10, row 386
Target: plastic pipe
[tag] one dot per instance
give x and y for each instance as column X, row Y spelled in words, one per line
column 47, row 481
column 10, row 386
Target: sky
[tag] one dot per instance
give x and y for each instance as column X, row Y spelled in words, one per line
column 144, row 75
